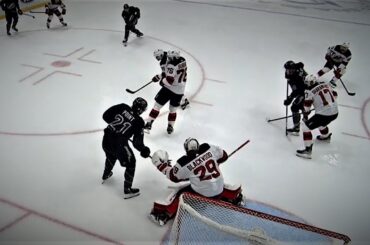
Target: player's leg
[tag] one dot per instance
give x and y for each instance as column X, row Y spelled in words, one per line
column 162, row 97
column 325, row 135
column 9, row 20
column 128, row 160
column 60, row 17
column 50, row 17
column 307, row 127
column 295, row 108
column 175, row 100
column 109, row 145
column 15, row 22
column 127, row 33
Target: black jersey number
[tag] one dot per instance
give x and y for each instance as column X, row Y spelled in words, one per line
column 119, row 125
column 207, row 171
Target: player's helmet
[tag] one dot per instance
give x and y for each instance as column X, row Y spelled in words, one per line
column 173, row 54
column 160, row 157
column 158, row 54
column 139, row 105
column 289, row 64
column 310, row 80
column 191, row 145
column 344, row 47
column 125, row 6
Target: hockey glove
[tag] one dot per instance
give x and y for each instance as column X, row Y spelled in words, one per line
column 288, row 101
column 64, row 11
column 338, row 73
column 145, row 152
column 157, row 78
column 20, row 12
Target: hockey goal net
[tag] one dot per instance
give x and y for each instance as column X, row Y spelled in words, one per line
column 201, row 220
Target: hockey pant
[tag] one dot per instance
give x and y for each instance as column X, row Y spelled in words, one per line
column 11, row 20
column 231, row 194
column 316, row 121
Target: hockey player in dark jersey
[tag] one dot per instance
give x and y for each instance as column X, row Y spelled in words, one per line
column 336, row 57
column 130, row 15
column 295, row 75
column 51, row 8
column 201, row 167
column 11, row 9
column 124, row 122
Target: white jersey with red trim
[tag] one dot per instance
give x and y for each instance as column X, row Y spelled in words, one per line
column 175, row 74
column 323, row 98
column 202, row 171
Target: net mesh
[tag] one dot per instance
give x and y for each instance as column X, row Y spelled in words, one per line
column 201, row 220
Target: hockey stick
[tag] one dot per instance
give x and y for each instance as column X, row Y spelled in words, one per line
column 37, row 12
column 134, row 91
column 345, row 88
column 286, row 110
column 280, row 118
column 30, row 15
column 237, row 149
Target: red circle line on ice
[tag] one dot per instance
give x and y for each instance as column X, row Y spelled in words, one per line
column 61, row 63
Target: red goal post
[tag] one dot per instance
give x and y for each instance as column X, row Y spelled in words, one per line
column 201, row 220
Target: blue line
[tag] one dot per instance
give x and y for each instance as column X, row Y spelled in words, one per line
column 276, row 12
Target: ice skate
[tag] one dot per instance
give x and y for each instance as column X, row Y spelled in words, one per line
column 306, row 153
column 130, row 192
column 15, row 28
column 185, row 104
column 324, row 138
column 293, row 131
column 106, row 176
column 63, row 23
column 124, row 42
column 169, row 129
column 139, row 34
column 48, row 25
column 148, row 127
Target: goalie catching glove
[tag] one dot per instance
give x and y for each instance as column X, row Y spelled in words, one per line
column 161, row 162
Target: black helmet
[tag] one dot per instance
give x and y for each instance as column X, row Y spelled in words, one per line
column 289, row 64
column 125, row 6
column 139, row 105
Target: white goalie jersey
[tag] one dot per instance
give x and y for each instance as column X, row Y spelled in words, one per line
column 202, row 171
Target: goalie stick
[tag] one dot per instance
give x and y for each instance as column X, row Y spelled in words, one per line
column 137, row 90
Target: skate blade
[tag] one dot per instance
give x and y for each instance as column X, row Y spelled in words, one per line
column 128, row 196
column 303, row 156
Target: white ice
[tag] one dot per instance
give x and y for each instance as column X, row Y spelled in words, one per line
column 51, row 126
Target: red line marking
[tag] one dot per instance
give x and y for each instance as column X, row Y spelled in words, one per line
column 349, row 106
column 363, row 117
column 59, row 222
column 214, row 80
column 87, row 60
column 14, row 222
column 357, row 136
column 52, row 134
column 33, row 73
column 55, row 72
column 64, row 56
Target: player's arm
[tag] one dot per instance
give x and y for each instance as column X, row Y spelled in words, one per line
column 224, row 157
column 308, row 101
column 138, row 139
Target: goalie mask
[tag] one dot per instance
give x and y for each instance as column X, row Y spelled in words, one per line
column 310, row 80
column 139, row 105
column 160, row 157
column 191, row 145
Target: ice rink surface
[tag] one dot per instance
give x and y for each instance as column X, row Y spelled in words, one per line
column 56, row 83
